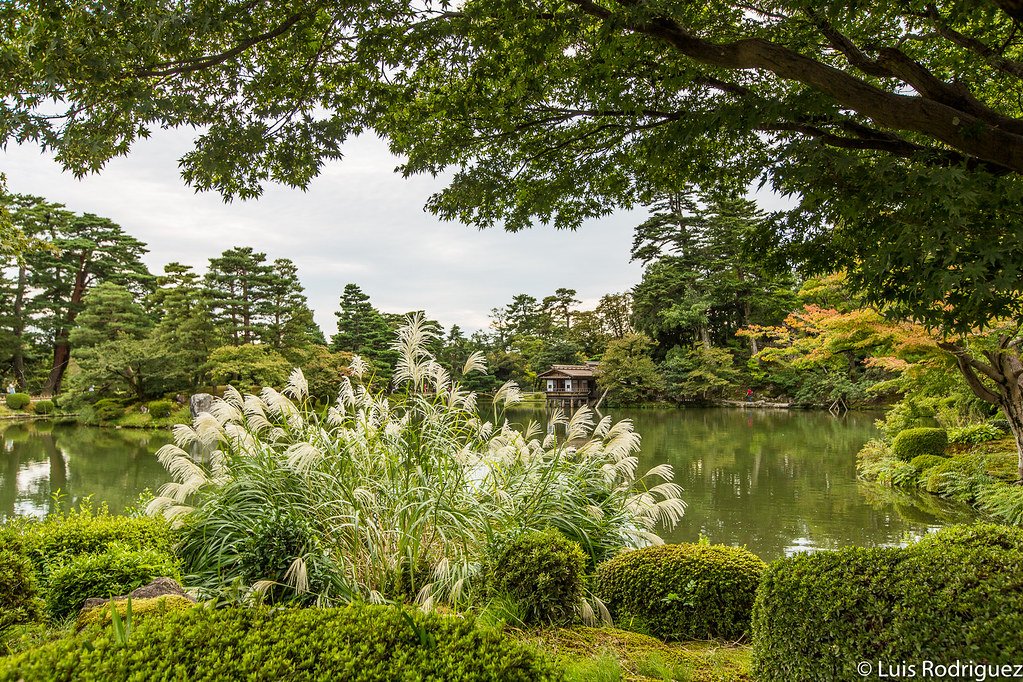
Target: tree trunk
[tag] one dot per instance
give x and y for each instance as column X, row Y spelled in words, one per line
column 61, row 346
column 1003, row 369
column 705, row 335
column 19, row 328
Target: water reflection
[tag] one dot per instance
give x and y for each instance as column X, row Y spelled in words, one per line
column 38, row 458
column 776, row 482
column 779, row 482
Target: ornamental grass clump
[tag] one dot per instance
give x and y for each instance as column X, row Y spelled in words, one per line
column 384, row 496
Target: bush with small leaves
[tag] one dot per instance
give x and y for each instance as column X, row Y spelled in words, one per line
column 85, row 530
column 141, row 609
column 43, row 406
column 107, row 409
column 682, row 592
column 922, row 463
column 952, row 597
column 355, row 643
column 18, row 401
column 160, row 409
column 915, row 442
column 19, row 602
column 118, row 570
column 542, row 571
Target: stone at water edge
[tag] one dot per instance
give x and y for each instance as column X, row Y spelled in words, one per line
column 199, row 403
column 160, row 587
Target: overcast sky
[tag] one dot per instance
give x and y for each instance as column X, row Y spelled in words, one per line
column 358, row 222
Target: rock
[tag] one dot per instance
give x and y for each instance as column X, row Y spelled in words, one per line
column 160, row 587
column 199, row 403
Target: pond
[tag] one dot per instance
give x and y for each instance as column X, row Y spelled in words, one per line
column 775, row 481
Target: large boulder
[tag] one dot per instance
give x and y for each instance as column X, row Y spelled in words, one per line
column 199, row 403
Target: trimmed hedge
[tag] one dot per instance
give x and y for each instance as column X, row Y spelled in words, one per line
column 158, row 409
column 117, row 571
column 86, row 531
column 357, row 643
column 984, row 535
column 19, row 602
column 952, row 598
column 915, row 442
column 543, row 572
column 18, row 401
column 44, row 406
column 682, row 592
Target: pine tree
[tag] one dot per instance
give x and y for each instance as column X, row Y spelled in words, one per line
column 237, row 282
column 186, row 333
column 289, row 321
column 87, row 250
column 363, row 330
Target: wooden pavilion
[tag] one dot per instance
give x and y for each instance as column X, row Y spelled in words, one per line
column 569, row 386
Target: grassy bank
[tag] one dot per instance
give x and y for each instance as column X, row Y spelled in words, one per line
column 982, row 474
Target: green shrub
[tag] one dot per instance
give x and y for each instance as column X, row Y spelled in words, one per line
column 19, row 602
column 957, row 477
column 114, row 572
column 357, row 643
column 682, row 592
column 975, row 434
column 44, row 406
column 87, row 531
column 542, row 571
column 984, row 535
column 158, row 409
column 818, row 615
column 107, row 409
column 922, row 463
column 915, row 442
column 18, row 401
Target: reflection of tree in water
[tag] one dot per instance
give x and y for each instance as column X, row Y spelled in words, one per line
column 111, row 465
column 775, row 481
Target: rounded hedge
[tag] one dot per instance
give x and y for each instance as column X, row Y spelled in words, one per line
column 158, row 409
column 44, row 406
column 19, row 602
column 117, row 571
column 356, row 643
column 543, row 572
column 107, row 409
column 18, row 401
column 922, row 463
column 915, row 442
column 818, row 615
column 682, row 592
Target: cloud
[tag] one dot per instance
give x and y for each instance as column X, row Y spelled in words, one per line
column 358, row 222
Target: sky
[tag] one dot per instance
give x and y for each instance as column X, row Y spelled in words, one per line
column 358, row 222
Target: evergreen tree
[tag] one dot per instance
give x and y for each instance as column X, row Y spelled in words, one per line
column 237, row 281
column 87, row 249
column 289, row 321
column 363, row 330
column 700, row 285
column 113, row 347
column 186, row 333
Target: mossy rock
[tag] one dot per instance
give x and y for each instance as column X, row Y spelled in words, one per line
column 140, row 609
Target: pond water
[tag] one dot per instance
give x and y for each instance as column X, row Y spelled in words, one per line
column 775, row 481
